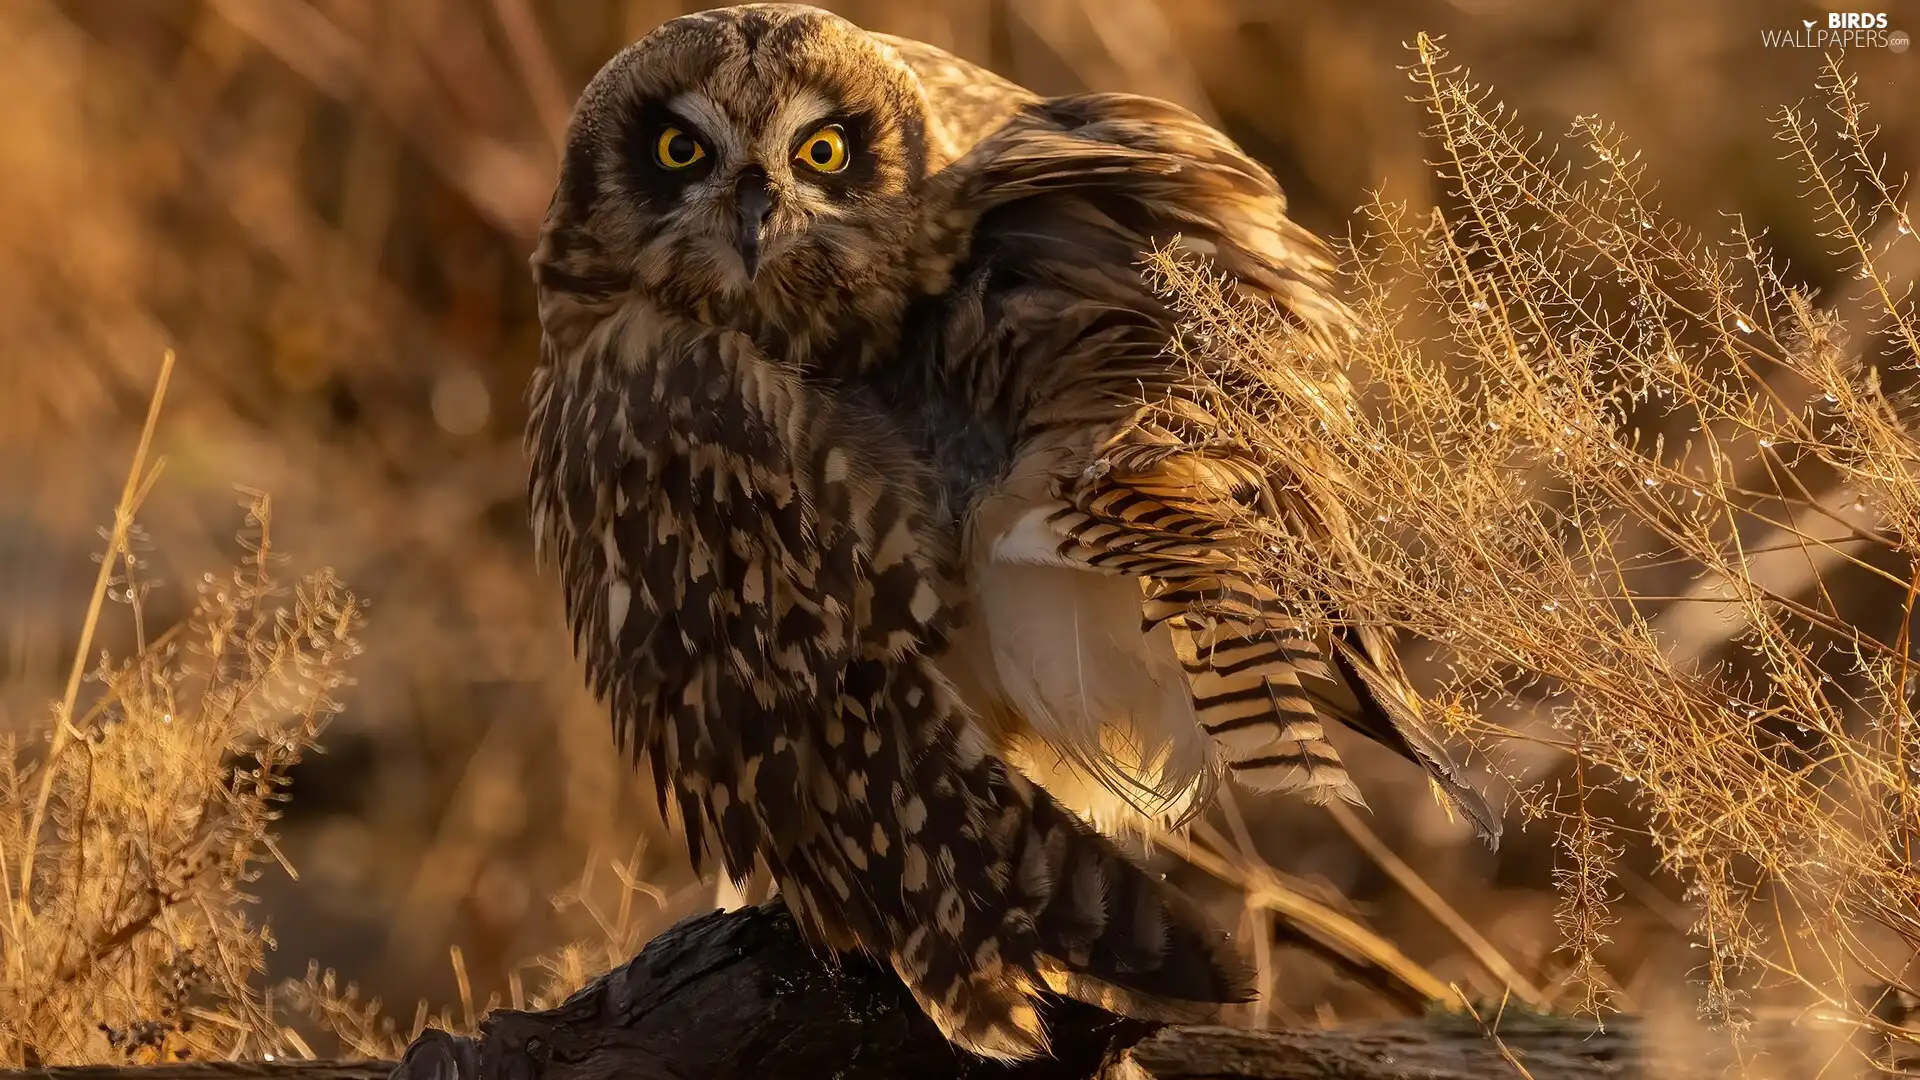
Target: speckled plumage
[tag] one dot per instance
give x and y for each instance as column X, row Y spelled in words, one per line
column 833, row 462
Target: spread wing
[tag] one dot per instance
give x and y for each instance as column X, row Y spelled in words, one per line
column 1119, row 467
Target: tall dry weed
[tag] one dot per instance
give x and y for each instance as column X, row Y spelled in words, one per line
column 1653, row 506
column 128, row 837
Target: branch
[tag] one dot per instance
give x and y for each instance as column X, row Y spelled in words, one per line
column 738, row 996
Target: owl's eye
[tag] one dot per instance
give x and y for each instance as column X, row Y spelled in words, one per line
column 676, row 149
column 824, row 150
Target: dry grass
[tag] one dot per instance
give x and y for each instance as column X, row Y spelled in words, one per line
column 1532, row 517
column 325, row 205
column 127, row 845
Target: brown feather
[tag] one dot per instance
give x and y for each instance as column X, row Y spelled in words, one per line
column 1145, row 482
column 774, row 485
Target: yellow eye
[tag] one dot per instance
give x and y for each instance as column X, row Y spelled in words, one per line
column 677, row 149
column 824, row 150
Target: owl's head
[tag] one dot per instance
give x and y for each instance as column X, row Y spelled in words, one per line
column 758, row 166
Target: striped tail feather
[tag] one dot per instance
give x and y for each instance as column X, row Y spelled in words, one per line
column 1366, row 660
column 1247, row 673
column 1263, row 688
column 1263, row 683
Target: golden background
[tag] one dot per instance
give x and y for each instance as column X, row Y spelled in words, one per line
column 325, row 206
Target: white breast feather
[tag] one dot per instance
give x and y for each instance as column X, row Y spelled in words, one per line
column 1105, row 706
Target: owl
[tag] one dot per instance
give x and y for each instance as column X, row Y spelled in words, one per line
column 892, row 532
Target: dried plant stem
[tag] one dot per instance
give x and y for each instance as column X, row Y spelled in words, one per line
column 1436, row 905
column 1266, row 890
column 1492, row 1032
column 534, row 59
column 1612, row 410
column 139, row 482
column 1253, row 918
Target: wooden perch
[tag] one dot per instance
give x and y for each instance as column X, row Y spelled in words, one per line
column 738, row 996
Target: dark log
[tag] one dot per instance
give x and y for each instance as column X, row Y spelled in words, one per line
column 1437, row 1050
column 738, row 996
column 214, row 1070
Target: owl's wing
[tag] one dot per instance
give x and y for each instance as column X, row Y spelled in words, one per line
column 965, row 102
column 1166, row 506
column 1121, row 468
column 753, row 581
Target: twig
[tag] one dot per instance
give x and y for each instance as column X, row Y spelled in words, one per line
column 1356, row 945
column 535, row 60
column 1493, row 1033
column 1257, row 923
column 138, row 482
column 1436, row 905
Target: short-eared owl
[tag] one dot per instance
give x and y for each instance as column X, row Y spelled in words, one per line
column 892, row 532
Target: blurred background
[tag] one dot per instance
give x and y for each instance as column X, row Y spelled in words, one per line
column 326, row 205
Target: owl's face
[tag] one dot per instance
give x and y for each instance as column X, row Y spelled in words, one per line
column 756, row 165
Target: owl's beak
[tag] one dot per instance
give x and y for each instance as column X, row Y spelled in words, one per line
column 752, row 200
